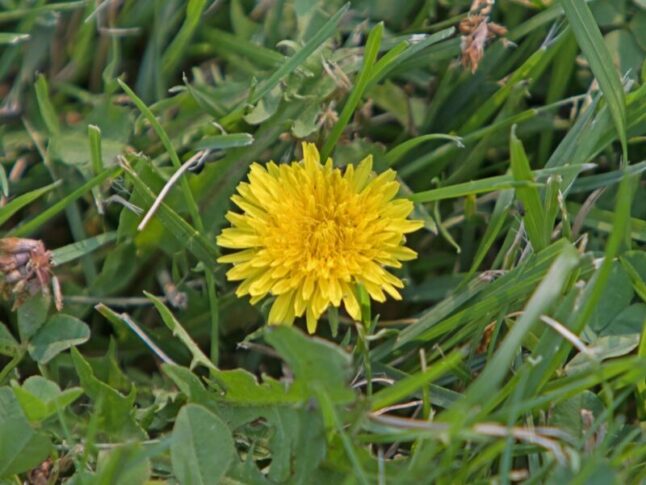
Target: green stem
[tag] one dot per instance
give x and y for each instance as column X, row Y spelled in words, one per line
column 364, row 332
column 215, row 317
column 13, row 363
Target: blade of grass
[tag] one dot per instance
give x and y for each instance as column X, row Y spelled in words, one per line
column 22, row 200
column 163, row 136
column 222, row 142
column 403, row 51
column 225, row 43
column 94, row 136
column 199, row 358
column 514, row 285
column 286, row 68
column 12, row 38
column 17, row 13
column 193, row 211
column 589, row 300
column 592, row 182
column 531, row 68
column 541, row 301
column 494, row 226
column 174, row 52
column 123, row 318
column 332, row 421
column 534, row 216
column 603, row 220
column 395, row 154
column 407, row 386
column 79, row 249
column 369, row 57
column 34, row 224
column 591, row 41
column 201, row 247
column 45, row 106
column 490, row 184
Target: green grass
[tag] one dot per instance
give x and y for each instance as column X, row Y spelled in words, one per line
column 518, row 352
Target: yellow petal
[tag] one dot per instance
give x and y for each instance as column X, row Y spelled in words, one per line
column 312, row 321
column 282, row 311
column 311, row 157
column 351, row 304
column 238, row 256
column 362, row 174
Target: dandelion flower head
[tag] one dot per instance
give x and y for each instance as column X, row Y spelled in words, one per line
column 309, row 234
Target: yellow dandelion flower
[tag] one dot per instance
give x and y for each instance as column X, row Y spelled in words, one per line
column 308, row 234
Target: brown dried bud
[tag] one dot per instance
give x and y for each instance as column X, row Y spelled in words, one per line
column 26, row 269
column 476, row 31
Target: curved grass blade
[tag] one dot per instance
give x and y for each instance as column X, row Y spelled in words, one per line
column 589, row 37
column 32, row 225
column 79, row 249
column 394, row 155
column 369, row 57
column 21, row 201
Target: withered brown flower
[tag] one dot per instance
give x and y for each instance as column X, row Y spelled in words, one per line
column 476, row 30
column 25, row 270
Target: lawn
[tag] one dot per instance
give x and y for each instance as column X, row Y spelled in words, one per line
column 303, row 241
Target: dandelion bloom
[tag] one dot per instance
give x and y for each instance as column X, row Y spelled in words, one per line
column 309, row 234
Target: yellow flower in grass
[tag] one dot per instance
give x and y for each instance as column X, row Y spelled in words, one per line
column 308, row 234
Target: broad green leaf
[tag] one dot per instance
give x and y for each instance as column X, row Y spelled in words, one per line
column 567, row 414
column 8, row 344
column 21, row 448
column 603, row 348
column 58, row 334
column 315, row 362
column 265, row 108
column 617, row 296
column 76, row 149
column 634, row 263
column 123, row 464
column 629, row 321
column 41, row 398
column 307, row 121
column 297, row 443
column 114, row 410
column 32, row 315
column 222, row 142
column 202, row 447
